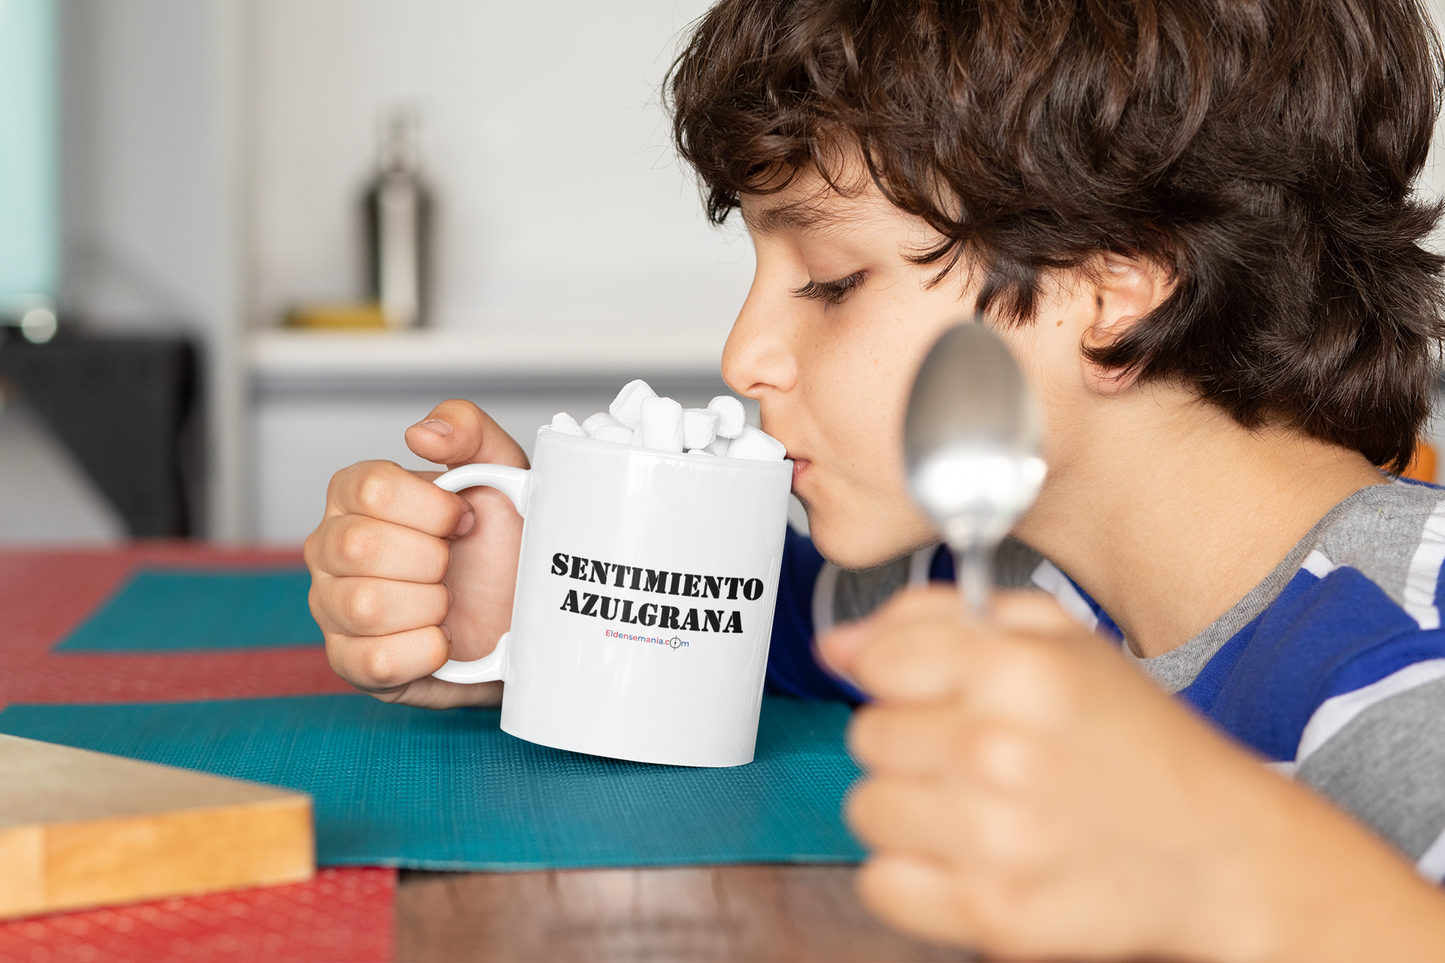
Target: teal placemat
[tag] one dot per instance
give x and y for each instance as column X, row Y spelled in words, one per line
column 173, row 610
column 396, row 786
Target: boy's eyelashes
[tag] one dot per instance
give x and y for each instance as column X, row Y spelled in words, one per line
column 829, row 292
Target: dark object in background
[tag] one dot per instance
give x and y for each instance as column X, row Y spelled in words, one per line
column 36, row 324
column 398, row 215
column 126, row 408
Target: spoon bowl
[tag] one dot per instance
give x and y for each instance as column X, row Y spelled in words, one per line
column 971, row 446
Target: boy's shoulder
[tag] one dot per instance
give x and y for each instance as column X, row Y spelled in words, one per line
column 1368, row 570
column 1394, row 536
column 1357, row 600
column 1333, row 667
column 1339, row 677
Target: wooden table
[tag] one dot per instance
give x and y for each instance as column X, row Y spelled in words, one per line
column 744, row 913
column 685, row 915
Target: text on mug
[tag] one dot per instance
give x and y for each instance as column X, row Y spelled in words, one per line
column 650, row 613
column 658, row 581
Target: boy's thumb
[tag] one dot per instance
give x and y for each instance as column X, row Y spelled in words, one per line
column 436, row 426
column 457, row 432
column 433, row 439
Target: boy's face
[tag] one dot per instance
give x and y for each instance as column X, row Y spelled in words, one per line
column 833, row 329
column 836, row 323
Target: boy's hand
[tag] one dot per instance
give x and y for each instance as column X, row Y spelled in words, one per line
column 1031, row 794
column 405, row 575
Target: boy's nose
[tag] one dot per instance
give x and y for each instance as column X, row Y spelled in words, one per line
column 759, row 357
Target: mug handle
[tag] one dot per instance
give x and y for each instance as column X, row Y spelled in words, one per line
column 512, row 482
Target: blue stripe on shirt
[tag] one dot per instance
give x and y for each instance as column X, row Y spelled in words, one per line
column 1320, row 638
column 792, row 669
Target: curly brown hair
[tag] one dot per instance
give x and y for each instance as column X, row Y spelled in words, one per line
column 1262, row 150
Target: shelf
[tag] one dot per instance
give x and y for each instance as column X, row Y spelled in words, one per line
column 286, row 356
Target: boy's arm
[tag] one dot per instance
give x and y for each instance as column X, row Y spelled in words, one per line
column 1377, row 751
column 1031, row 794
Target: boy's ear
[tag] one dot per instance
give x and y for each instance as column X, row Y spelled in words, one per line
column 1125, row 289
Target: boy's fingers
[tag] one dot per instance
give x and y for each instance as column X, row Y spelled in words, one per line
column 431, row 693
column 839, row 647
column 377, row 606
column 398, row 669
column 376, row 664
column 919, row 648
column 1032, row 613
column 938, row 742
column 915, row 895
column 385, row 490
column 457, row 432
column 913, row 614
column 915, row 661
column 916, row 740
column 900, row 816
column 355, row 545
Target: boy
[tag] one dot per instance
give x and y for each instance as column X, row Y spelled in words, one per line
column 1192, row 224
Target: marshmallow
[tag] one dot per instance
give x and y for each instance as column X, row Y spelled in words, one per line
column 615, row 433
column 600, row 420
column 566, row 424
column 638, row 417
column 699, row 427
column 661, row 424
column 756, row 445
column 626, row 408
column 731, row 417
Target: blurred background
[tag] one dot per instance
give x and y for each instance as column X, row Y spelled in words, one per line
column 244, row 243
column 178, row 178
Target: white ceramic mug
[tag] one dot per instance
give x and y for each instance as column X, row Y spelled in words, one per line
column 644, row 603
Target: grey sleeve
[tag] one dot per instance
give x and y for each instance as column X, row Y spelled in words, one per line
column 1386, row 767
column 859, row 593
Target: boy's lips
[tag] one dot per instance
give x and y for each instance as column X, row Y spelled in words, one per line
column 800, row 466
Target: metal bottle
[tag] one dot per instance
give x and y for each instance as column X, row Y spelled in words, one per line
column 398, row 213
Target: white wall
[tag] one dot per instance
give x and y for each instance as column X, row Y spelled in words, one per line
column 559, row 199
column 151, row 194
column 1432, row 178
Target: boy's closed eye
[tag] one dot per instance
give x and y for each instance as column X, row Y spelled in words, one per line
column 830, row 292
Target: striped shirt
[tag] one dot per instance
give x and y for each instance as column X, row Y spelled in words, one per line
column 1332, row 668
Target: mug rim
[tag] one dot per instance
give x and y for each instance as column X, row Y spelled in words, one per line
column 751, row 464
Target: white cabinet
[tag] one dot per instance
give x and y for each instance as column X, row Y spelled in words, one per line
column 324, row 401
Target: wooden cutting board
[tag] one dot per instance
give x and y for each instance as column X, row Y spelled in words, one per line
column 80, row 828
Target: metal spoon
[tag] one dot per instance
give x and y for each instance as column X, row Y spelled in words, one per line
column 971, row 447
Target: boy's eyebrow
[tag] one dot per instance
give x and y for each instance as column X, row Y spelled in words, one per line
column 798, row 216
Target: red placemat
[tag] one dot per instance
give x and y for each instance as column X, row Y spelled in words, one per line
column 344, row 914
column 44, row 594
column 341, row 916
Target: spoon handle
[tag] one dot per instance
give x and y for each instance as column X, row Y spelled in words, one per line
column 973, row 563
